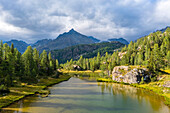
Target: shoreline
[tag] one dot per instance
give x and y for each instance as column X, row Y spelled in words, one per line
column 23, row 91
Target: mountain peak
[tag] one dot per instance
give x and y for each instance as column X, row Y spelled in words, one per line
column 72, row 31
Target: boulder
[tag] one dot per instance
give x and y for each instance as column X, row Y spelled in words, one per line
column 123, row 74
column 117, row 68
column 76, row 67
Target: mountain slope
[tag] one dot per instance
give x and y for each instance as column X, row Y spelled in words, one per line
column 42, row 42
column 121, row 40
column 86, row 50
column 20, row 45
column 65, row 40
column 94, row 39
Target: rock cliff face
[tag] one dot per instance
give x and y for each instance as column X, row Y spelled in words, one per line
column 131, row 76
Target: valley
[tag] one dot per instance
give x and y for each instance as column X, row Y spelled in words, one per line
column 143, row 65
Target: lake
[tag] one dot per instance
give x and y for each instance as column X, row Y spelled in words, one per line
column 83, row 96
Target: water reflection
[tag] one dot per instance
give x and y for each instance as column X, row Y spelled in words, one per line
column 135, row 93
column 82, row 96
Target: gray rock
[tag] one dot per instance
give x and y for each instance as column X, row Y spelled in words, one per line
column 76, row 67
column 131, row 77
column 167, row 84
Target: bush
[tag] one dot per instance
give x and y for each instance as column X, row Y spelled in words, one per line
column 3, row 89
column 56, row 75
column 153, row 79
column 29, row 80
column 142, row 81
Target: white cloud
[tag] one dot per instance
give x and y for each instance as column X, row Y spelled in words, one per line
column 9, row 29
column 103, row 19
column 162, row 13
column 6, row 28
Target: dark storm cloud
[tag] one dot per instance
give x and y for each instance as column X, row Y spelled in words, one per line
column 31, row 20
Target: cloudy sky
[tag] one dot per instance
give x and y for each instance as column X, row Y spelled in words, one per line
column 32, row 20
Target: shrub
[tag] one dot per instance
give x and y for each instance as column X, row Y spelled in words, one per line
column 153, row 79
column 3, row 89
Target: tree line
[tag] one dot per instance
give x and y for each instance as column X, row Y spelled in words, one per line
column 152, row 51
column 27, row 67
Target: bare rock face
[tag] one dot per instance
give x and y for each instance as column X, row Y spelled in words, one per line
column 117, row 75
column 124, row 74
column 76, row 67
column 167, row 84
column 117, row 68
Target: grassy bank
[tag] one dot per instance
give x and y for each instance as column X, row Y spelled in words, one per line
column 159, row 87
column 85, row 75
column 19, row 92
column 80, row 72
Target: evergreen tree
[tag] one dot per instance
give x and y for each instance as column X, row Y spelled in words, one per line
column 140, row 58
column 51, row 66
column 57, row 63
column 28, row 62
column 98, row 60
column 92, row 65
column 80, row 61
column 147, row 55
column 12, row 48
column 168, row 59
column 158, row 63
column 19, row 68
column 151, row 63
column 109, row 69
column 44, row 62
column 84, row 64
column 87, row 64
column 36, row 60
column 132, row 60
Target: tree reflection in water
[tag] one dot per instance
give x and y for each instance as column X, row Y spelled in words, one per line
column 132, row 92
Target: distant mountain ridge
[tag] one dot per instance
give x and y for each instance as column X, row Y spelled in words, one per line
column 20, row 45
column 164, row 29
column 64, row 40
column 121, row 40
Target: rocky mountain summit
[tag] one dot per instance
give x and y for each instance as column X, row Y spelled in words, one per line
column 128, row 75
column 64, row 40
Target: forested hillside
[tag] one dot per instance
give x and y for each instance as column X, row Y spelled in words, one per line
column 85, row 50
column 152, row 51
column 27, row 68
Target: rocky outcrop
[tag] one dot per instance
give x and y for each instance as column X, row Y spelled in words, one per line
column 166, row 84
column 76, row 67
column 124, row 74
column 117, row 68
